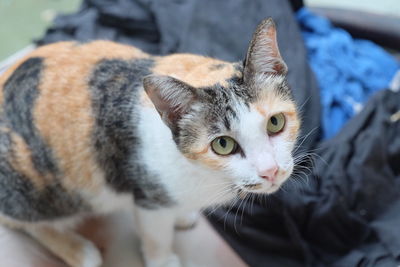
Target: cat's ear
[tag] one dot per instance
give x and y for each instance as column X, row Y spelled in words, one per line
column 263, row 55
column 171, row 97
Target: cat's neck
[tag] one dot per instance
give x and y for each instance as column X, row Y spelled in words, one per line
column 181, row 177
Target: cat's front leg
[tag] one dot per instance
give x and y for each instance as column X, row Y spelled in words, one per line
column 69, row 246
column 187, row 220
column 156, row 230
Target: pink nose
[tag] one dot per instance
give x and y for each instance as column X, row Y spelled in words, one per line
column 269, row 173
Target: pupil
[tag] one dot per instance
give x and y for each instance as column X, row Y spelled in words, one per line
column 222, row 142
column 274, row 120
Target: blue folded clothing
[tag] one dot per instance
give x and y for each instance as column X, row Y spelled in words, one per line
column 348, row 70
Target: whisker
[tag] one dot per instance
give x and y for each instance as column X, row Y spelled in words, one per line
column 304, row 138
column 229, row 209
column 221, row 194
column 300, row 108
column 237, row 210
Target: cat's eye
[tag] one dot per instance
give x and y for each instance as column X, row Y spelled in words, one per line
column 224, row 145
column 276, row 123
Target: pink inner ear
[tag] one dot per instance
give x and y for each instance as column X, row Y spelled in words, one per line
column 271, row 35
column 171, row 97
column 167, row 112
column 263, row 55
column 163, row 106
column 160, row 105
column 174, row 115
column 279, row 66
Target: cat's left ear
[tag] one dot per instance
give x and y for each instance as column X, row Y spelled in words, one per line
column 263, row 55
column 171, row 97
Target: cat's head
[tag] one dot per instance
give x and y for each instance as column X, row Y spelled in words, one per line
column 245, row 127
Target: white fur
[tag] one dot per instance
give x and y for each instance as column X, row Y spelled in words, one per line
column 187, row 220
column 91, row 255
column 107, row 201
column 156, row 233
column 263, row 152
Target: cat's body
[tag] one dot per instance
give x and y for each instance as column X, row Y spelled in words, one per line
column 79, row 135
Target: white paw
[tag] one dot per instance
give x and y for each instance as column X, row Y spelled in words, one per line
column 187, row 221
column 91, row 255
column 171, row 261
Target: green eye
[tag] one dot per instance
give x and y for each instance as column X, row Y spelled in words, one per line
column 224, row 145
column 276, row 123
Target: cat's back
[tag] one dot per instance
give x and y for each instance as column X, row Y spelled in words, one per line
column 69, row 114
column 55, row 108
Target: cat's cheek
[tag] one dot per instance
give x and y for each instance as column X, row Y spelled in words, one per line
column 289, row 168
column 283, row 154
column 285, row 161
column 284, row 173
column 212, row 161
column 241, row 172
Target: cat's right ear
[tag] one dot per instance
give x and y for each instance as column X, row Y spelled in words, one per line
column 263, row 55
column 171, row 97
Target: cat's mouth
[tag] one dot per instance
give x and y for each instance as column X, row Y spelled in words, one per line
column 258, row 188
column 253, row 186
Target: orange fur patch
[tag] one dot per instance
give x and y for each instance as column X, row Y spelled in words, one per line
column 205, row 150
column 22, row 162
column 260, row 110
column 198, row 71
column 294, row 127
column 213, row 163
column 270, row 104
column 201, row 156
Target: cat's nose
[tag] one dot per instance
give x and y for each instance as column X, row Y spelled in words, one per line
column 269, row 173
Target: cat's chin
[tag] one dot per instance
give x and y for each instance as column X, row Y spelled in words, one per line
column 261, row 189
column 268, row 191
column 273, row 189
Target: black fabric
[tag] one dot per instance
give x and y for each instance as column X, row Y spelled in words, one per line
column 296, row 4
column 346, row 212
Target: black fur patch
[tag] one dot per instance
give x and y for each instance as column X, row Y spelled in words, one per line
column 115, row 86
column 220, row 110
column 239, row 66
column 20, row 200
column 217, row 66
column 220, row 106
column 20, row 92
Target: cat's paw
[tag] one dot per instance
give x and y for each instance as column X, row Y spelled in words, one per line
column 187, row 221
column 91, row 255
column 171, row 261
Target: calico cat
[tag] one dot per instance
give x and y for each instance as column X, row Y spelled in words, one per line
column 90, row 128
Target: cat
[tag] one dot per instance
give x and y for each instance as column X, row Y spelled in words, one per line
column 89, row 128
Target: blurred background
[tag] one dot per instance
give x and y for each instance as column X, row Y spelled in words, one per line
column 22, row 21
